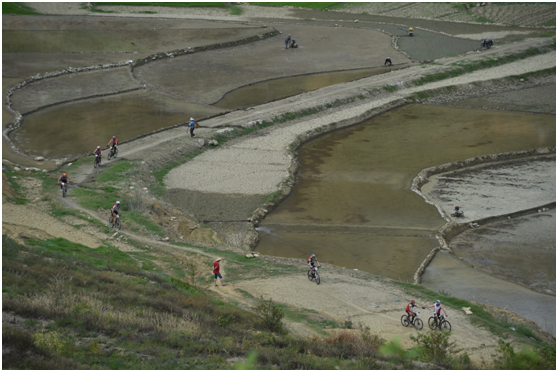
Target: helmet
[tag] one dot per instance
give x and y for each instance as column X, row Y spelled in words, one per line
column 412, row 301
column 98, row 147
column 64, row 174
column 117, row 202
column 437, row 301
column 313, row 255
column 113, row 136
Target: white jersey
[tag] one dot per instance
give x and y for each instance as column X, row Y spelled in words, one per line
column 437, row 308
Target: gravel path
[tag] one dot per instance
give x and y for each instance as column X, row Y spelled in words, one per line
column 259, row 165
column 373, row 303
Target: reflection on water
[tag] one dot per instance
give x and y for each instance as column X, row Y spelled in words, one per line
column 361, row 177
column 446, row 272
column 76, row 128
column 257, row 94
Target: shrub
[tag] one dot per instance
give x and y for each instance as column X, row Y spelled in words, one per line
column 271, row 315
column 435, row 347
column 507, row 358
column 226, row 319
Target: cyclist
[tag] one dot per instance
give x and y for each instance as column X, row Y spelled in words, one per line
column 98, row 152
column 437, row 307
column 114, row 211
column 410, row 310
column 63, row 179
column 113, row 142
column 313, row 262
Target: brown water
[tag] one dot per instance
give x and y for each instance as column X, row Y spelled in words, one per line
column 446, row 272
column 352, row 205
column 76, row 128
column 268, row 91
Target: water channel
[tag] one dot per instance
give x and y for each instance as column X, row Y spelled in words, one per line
column 352, row 205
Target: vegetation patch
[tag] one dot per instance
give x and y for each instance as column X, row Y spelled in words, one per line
column 16, row 8
column 470, row 66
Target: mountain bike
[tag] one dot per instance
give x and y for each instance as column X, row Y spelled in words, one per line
column 313, row 274
column 97, row 161
column 442, row 324
column 415, row 322
column 113, row 152
column 114, row 222
column 64, row 189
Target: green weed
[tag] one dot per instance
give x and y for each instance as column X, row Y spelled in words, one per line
column 435, row 347
column 16, row 8
column 235, row 10
column 271, row 316
column 478, row 65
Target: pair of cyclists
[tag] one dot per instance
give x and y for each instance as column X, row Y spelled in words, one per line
column 112, row 143
column 412, row 305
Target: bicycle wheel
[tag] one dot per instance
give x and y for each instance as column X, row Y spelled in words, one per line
column 111, row 224
column 418, row 324
column 317, row 278
column 310, row 277
column 109, row 155
column 404, row 321
column 64, row 190
column 432, row 323
column 118, row 224
column 445, row 326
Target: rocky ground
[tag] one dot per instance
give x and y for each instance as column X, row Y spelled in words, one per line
column 373, row 301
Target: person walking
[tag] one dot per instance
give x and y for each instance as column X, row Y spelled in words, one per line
column 287, row 39
column 388, row 60
column 216, row 269
column 192, row 126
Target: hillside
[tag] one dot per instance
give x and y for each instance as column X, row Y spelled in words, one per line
column 78, row 294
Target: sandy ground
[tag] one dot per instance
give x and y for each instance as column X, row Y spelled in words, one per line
column 340, row 296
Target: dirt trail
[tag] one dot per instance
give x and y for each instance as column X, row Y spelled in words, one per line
column 375, row 303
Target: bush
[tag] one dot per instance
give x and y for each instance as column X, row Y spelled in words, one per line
column 271, row 316
column 226, row 319
column 507, row 358
column 435, row 347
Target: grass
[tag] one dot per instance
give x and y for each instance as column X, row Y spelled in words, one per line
column 548, row 33
column 464, row 68
column 103, row 308
column 243, row 268
column 15, row 185
column 16, row 8
column 115, row 172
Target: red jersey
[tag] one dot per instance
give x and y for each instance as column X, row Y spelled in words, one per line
column 216, row 267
